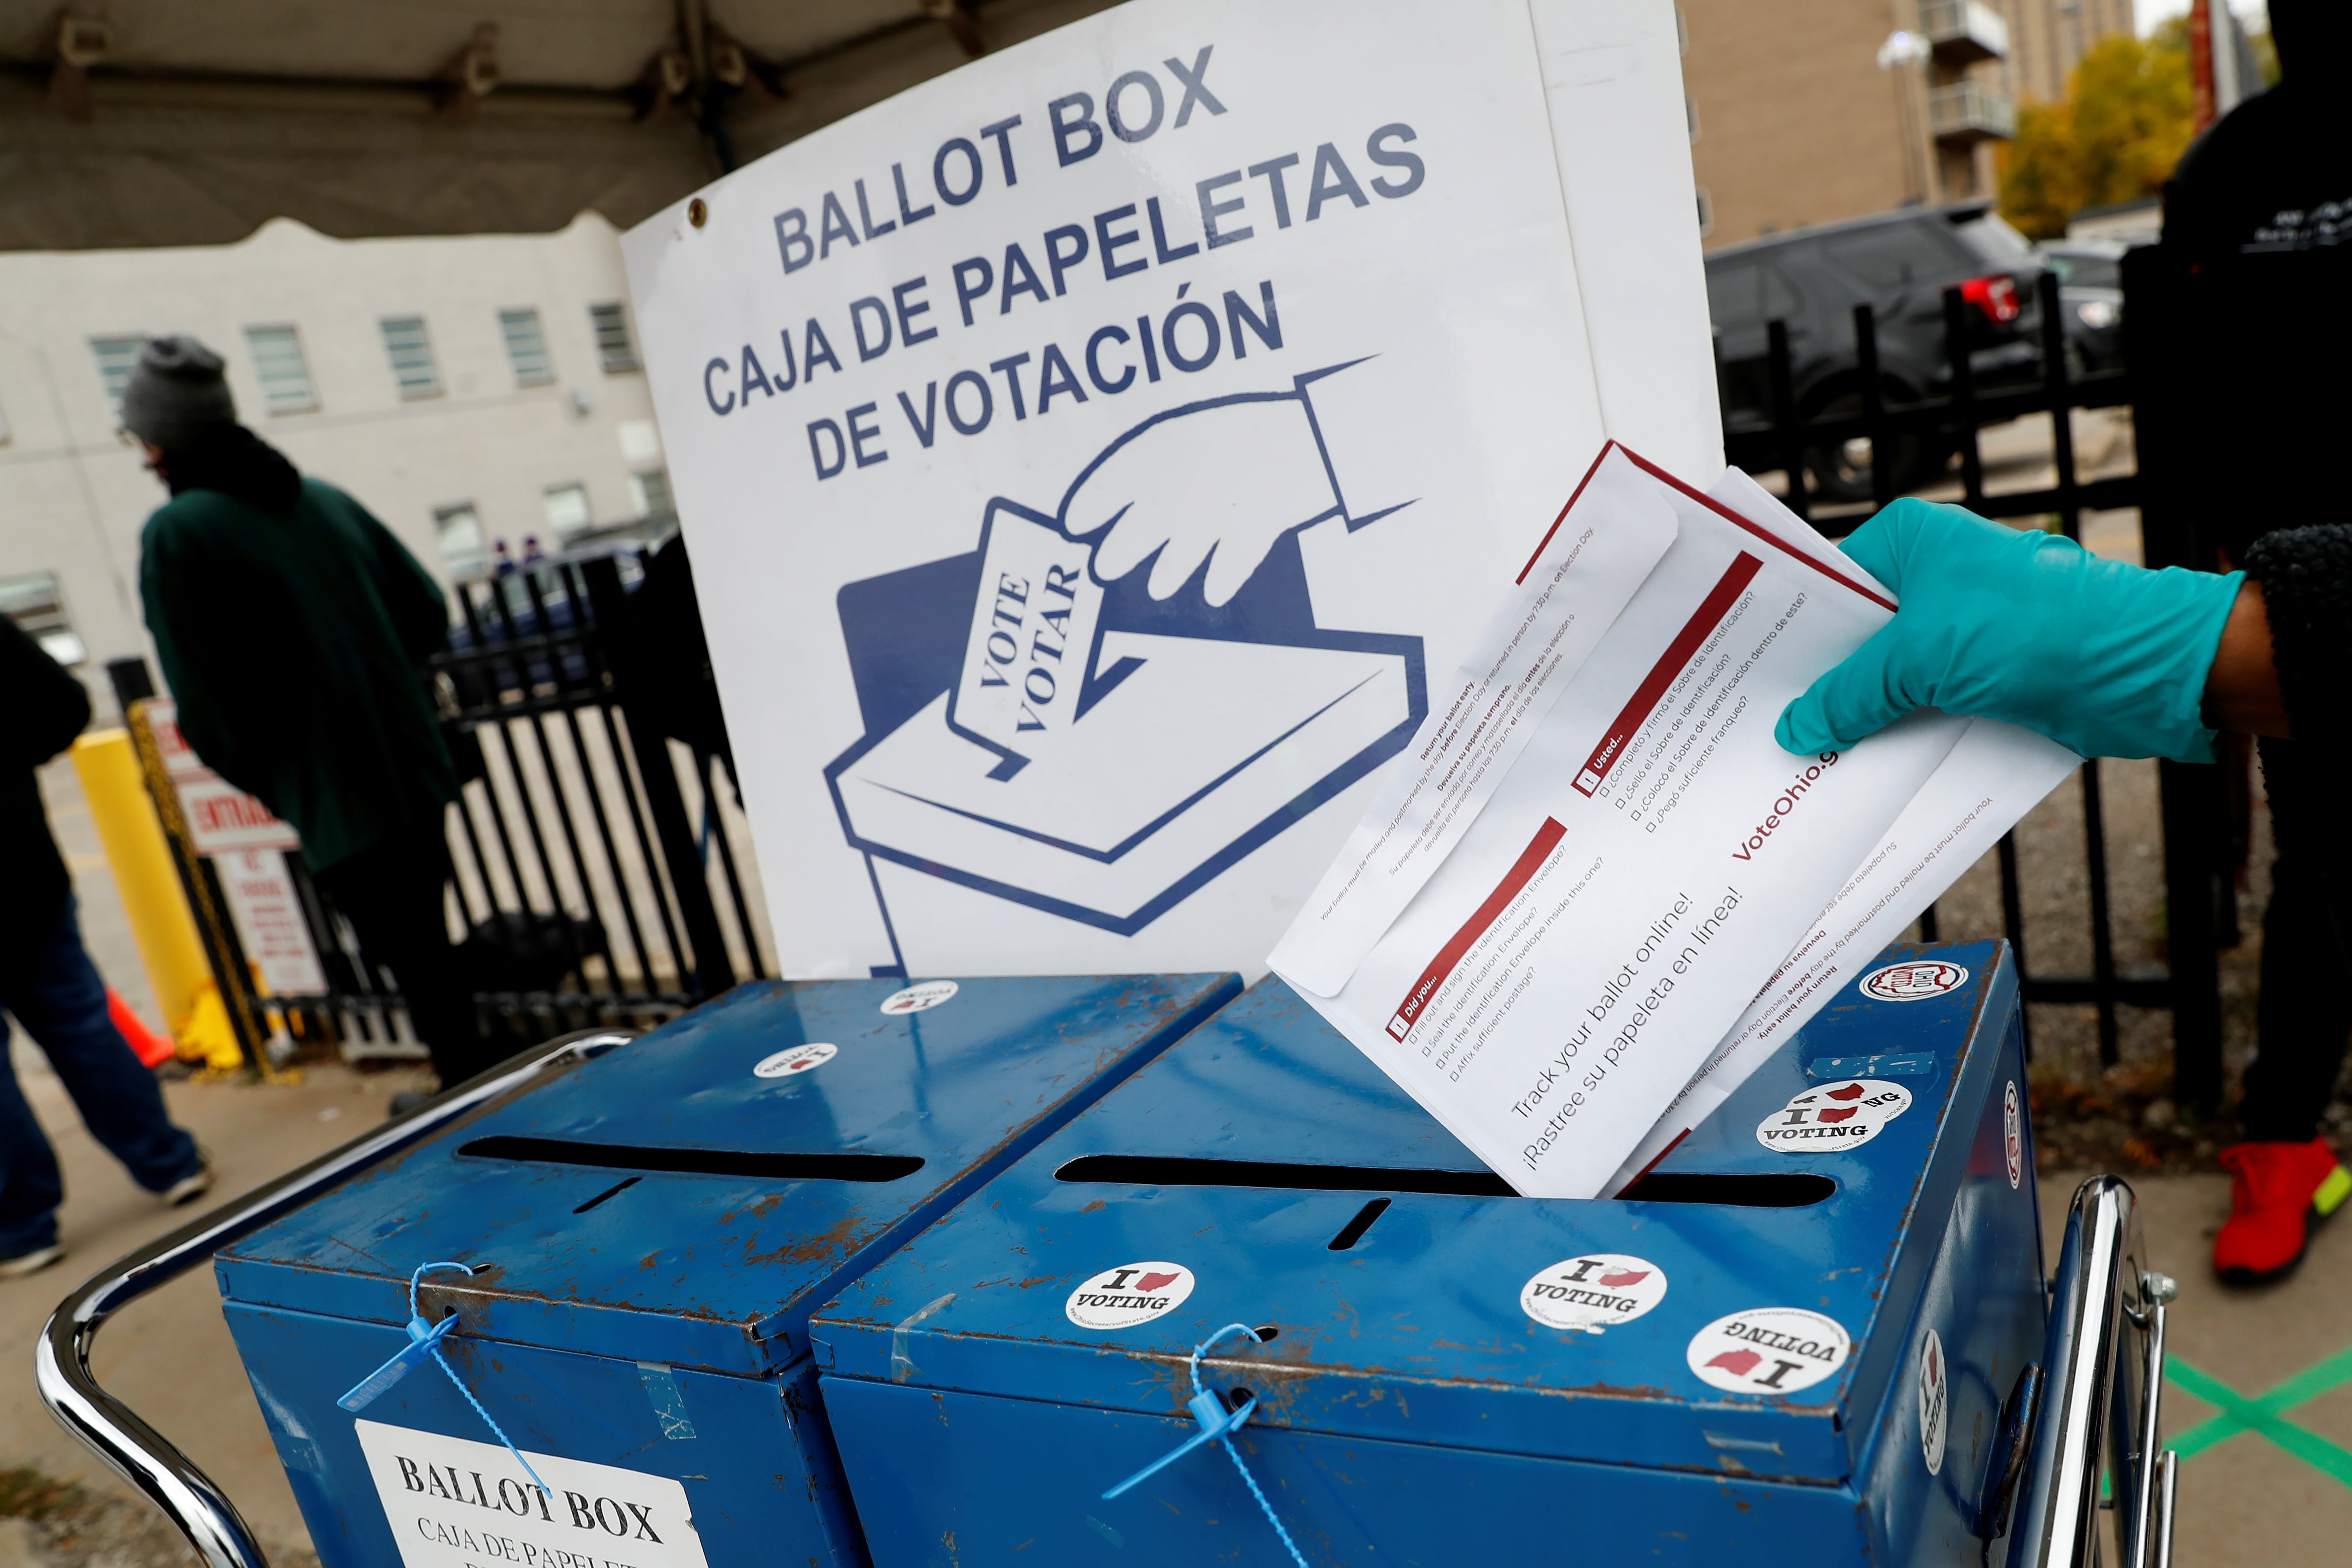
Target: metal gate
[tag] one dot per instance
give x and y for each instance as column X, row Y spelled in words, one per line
column 599, row 879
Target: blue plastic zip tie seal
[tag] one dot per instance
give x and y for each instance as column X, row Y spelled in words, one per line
column 1217, row 1425
column 425, row 1341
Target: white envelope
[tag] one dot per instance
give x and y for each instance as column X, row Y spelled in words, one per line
column 1633, row 880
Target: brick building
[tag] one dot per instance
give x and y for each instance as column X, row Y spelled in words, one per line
column 1807, row 110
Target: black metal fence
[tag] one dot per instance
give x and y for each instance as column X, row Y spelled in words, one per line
column 590, row 850
column 2198, row 919
column 596, row 878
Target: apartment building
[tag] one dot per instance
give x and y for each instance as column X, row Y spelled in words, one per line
column 470, row 392
column 1803, row 111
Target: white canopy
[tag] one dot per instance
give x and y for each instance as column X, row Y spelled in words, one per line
column 136, row 122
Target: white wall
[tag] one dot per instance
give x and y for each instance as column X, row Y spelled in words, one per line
column 73, row 496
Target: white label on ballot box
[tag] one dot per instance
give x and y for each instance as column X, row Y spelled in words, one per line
column 454, row 1503
column 1650, row 857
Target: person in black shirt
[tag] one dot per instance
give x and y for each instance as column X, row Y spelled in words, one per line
column 2113, row 660
column 50, row 988
column 2258, row 233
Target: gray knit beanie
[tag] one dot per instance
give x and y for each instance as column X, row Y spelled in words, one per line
column 176, row 394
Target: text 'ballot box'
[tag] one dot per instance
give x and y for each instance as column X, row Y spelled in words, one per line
column 646, row 1236
column 1792, row 1344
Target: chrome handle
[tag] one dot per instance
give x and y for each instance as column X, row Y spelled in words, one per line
column 2100, row 1298
column 110, row 1430
column 2167, row 1465
column 2139, row 1467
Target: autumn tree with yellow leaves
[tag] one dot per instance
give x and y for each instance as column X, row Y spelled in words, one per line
column 2124, row 123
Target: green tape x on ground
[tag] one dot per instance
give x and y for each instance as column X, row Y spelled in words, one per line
column 2265, row 1415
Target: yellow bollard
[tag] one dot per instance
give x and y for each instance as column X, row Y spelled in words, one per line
column 206, row 1036
column 145, row 876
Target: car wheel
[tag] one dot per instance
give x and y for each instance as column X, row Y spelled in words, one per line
column 1843, row 471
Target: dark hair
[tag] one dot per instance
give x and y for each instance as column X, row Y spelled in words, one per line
column 236, row 463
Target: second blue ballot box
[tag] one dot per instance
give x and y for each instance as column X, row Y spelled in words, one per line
column 1802, row 1339
column 631, row 1248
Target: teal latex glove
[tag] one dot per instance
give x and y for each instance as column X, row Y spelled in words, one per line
column 2103, row 657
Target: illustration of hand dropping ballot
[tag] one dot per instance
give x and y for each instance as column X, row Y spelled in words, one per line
column 1138, row 693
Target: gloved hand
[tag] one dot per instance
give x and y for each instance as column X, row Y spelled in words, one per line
column 2107, row 658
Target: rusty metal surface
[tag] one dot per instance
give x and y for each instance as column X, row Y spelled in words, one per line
column 1413, row 1336
column 705, row 1267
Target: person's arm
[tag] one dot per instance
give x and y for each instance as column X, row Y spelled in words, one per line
column 42, row 705
column 2279, row 670
column 410, row 596
column 419, row 610
column 2242, row 689
column 194, row 644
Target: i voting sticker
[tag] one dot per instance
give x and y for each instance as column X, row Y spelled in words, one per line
column 1836, row 1116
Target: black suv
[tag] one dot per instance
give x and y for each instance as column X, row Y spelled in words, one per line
column 1899, row 263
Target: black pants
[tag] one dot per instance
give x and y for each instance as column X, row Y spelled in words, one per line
column 391, row 892
column 2306, row 1005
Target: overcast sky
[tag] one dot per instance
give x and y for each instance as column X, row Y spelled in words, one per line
column 2151, row 12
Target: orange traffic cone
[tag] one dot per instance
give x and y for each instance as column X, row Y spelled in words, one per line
column 151, row 1052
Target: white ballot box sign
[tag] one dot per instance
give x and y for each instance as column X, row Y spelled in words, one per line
column 1088, row 454
column 1646, row 860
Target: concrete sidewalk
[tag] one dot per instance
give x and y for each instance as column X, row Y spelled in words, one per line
column 169, row 1356
column 2263, row 1481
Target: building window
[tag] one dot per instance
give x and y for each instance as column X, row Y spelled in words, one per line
column 526, row 348
column 1690, row 116
column 412, row 356
column 35, row 604
column 650, row 491
column 640, row 442
column 464, row 552
column 567, row 511
column 116, row 356
column 614, row 347
column 1706, row 212
column 285, row 376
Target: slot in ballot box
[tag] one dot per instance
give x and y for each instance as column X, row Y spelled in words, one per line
column 645, row 1236
column 1793, row 1344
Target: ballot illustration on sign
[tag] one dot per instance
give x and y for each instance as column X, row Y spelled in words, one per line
column 1106, row 703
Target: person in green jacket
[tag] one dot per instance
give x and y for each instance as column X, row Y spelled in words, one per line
column 293, row 630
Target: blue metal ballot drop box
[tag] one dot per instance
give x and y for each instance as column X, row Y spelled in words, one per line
column 639, row 1241
column 1803, row 1338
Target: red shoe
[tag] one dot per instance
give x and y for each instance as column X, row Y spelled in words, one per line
column 2275, row 1191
